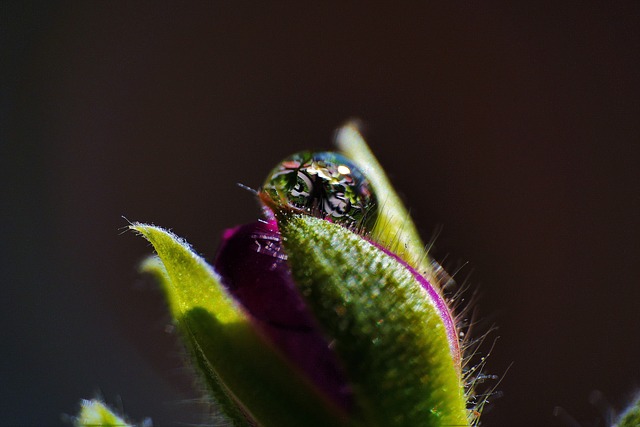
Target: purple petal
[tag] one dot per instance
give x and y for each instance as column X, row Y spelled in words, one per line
column 253, row 266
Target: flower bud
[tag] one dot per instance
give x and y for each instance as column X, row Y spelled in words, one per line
column 310, row 317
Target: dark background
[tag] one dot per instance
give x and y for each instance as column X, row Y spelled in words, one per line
column 515, row 127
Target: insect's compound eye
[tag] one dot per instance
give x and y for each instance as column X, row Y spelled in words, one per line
column 324, row 184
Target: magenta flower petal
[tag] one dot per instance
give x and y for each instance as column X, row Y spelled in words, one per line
column 253, row 266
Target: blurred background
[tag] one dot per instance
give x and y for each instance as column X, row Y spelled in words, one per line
column 512, row 127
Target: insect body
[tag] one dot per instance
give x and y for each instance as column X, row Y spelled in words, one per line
column 326, row 185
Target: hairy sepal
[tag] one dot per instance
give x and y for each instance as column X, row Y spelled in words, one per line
column 394, row 227
column 245, row 374
column 383, row 326
column 631, row 416
column 95, row 413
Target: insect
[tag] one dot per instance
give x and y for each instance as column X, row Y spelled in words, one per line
column 326, row 185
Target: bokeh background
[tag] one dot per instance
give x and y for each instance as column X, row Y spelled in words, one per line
column 512, row 126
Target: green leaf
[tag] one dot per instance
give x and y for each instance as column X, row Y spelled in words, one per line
column 394, row 228
column 250, row 379
column 94, row 413
column 384, row 327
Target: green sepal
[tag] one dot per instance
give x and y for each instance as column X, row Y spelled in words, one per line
column 224, row 400
column 249, row 378
column 384, row 329
column 394, row 228
column 94, row 413
column 631, row 416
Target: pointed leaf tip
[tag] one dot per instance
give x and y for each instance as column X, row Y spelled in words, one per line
column 394, row 228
